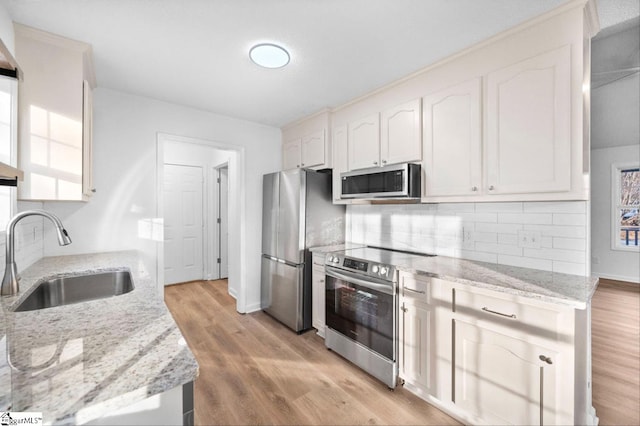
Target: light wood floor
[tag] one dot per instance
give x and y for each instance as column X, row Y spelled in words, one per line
column 253, row 370
column 615, row 349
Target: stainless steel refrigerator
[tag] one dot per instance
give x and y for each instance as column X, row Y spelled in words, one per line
column 298, row 213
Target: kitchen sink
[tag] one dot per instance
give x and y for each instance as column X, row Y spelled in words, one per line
column 75, row 289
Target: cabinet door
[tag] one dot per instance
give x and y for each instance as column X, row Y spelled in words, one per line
column 87, row 140
column 400, row 135
column 416, row 344
column 364, row 142
column 313, row 150
column 340, row 163
column 318, row 303
column 501, row 379
column 291, row 154
column 452, row 140
column 529, row 125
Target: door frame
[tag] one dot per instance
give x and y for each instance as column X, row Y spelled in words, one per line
column 237, row 212
column 217, row 234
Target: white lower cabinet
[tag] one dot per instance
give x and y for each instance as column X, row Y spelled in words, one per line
column 318, row 294
column 501, row 379
column 489, row 357
column 416, row 325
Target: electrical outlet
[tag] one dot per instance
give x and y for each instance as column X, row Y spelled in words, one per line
column 467, row 235
column 529, row 239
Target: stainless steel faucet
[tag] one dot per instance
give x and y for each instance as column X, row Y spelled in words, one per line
column 10, row 280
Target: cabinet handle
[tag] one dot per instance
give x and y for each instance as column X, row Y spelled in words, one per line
column 93, row 190
column 498, row 313
column 474, row 188
column 546, row 359
column 375, row 162
column 298, row 165
column 414, row 291
column 491, row 188
column 321, row 281
column 384, row 161
column 302, row 164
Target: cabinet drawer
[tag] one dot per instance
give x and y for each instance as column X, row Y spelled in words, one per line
column 416, row 288
column 534, row 319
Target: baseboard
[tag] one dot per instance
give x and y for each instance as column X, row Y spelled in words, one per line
column 232, row 292
column 254, row 307
column 634, row 280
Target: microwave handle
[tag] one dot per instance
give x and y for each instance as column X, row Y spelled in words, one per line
column 383, row 288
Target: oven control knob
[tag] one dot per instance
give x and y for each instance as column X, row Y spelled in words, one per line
column 329, row 258
column 374, row 269
column 384, row 270
column 336, row 260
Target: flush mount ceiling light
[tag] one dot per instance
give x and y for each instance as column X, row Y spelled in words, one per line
column 269, row 55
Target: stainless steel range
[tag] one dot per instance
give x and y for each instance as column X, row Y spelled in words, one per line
column 362, row 309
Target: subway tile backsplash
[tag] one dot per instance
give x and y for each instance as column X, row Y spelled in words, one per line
column 550, row 236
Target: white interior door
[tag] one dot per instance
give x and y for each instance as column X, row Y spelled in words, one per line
column 183, row 223
column 223, row 206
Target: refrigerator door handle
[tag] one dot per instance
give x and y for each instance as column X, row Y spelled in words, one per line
column 286, row 262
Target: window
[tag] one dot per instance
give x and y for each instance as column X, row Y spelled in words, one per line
column 626, row 206
column 8, row 125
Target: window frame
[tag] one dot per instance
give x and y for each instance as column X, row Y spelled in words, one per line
column 616, row 172
column 13, row 151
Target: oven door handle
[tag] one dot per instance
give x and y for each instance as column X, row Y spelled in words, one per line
column 387, row 288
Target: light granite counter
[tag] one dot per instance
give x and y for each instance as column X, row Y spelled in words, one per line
column 79, row 362
column 572, row 290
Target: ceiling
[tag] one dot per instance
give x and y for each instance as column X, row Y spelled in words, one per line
column 195, row 52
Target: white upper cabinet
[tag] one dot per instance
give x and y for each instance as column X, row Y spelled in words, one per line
column 529, row 125
column 55, row 116
column 392, row 137
column 306, row 152
column 453, row 140
column 292, row 154
column 504, row 120
column 364, row 142
column 340, row 162
column 314, row 150
column 307, row 144
column 400, row 131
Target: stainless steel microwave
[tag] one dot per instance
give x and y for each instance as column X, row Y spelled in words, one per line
column 395, row 181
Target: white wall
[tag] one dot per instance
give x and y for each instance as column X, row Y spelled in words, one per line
column 6, row 29
column 615, row 113
column 615, row 137
column 125, row 132
column 486, row 232
column 615, row 97
column 605, row 262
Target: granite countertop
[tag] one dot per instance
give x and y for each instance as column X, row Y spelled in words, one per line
column 78, row 362
column 565, row 289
